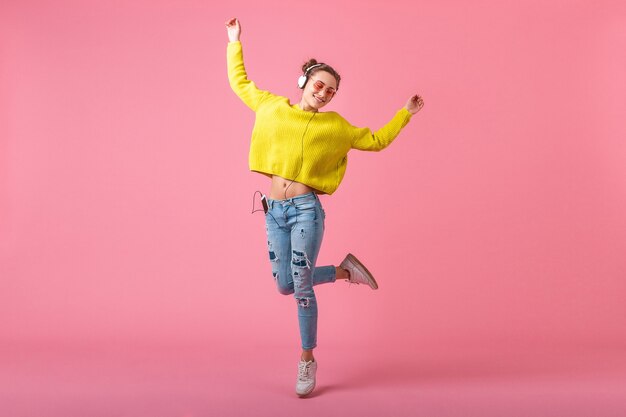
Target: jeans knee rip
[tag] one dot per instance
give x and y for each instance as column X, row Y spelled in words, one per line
column 303, row 302
column 300, row 260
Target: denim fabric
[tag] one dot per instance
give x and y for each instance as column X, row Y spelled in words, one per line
column 295, row 228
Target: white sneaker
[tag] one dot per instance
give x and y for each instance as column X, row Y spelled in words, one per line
column 306, row 377
column 358, row 272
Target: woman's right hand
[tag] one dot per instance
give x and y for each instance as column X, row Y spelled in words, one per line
column 234, row 29
column 415, row 104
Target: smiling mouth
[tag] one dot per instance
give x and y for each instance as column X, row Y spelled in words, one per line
column 319, row 100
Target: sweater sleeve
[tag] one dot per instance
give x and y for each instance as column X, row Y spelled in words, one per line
column 364, row 140
column 238, row 79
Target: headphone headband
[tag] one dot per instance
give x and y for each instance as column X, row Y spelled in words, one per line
column 311, row 67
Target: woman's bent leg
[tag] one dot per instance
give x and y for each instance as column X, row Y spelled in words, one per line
column 324, row 274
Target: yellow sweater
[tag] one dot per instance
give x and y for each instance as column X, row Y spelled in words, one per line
column 311, row 148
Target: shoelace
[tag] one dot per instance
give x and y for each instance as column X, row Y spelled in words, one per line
column 303, row 370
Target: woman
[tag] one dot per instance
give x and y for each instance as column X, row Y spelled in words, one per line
column 304, row 152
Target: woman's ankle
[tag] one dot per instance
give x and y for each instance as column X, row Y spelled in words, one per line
column 341, row 273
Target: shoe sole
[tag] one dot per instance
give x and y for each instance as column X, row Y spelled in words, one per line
column 370, row 278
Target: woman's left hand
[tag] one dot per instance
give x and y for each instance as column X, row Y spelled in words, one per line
column 415, row 104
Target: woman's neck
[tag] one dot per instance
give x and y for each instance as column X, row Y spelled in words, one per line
column 306, row 107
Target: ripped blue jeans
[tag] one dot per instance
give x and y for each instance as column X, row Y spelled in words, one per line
column 295, row 228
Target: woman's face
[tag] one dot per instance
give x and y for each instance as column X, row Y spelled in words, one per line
column 319, row 90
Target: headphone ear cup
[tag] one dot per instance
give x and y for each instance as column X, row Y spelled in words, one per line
column 302, row 81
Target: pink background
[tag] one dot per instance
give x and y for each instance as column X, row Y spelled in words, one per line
column 495, row 224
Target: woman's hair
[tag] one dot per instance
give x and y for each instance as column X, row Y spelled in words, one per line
column 321, row 67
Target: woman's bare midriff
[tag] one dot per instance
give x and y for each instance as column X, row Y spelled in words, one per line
column 281, row 185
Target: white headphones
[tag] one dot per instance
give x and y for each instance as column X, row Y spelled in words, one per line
column 304, row 77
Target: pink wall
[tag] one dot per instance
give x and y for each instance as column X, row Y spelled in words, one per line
column 499, row 213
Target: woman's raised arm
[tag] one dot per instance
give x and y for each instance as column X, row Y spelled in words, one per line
column 237, row 76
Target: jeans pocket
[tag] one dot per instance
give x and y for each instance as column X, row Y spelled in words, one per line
column 307, row 212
